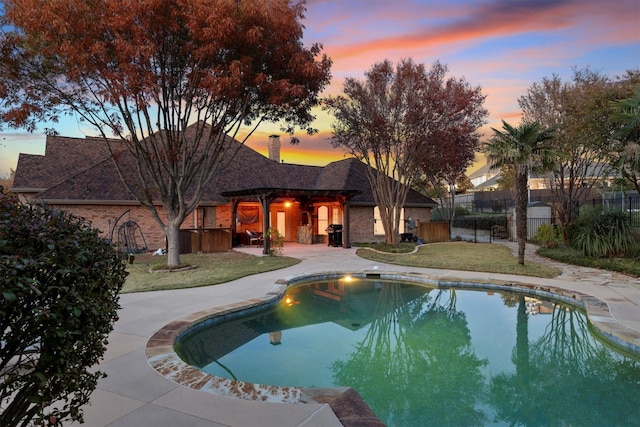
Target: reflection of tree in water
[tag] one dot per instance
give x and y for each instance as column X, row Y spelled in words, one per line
column 415, row 365
column 563, row 367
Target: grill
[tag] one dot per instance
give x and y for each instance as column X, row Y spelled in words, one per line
column 334, row 231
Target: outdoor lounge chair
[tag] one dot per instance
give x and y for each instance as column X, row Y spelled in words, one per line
column 254, row 238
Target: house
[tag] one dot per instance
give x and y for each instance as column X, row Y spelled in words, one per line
column 484, row 177
column 598, row 174
column 252, row 193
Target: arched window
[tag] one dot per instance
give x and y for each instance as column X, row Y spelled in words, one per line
column 323, row 219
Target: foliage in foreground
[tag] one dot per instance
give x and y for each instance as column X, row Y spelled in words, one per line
column 60, row 283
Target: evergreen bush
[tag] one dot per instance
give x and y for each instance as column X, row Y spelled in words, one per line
column 60, row 284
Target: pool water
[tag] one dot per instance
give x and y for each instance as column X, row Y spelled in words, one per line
column 421, row 356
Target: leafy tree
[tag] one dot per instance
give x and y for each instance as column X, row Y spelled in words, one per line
column 452, row 115
column 170, row 79
column 522, row 148
column 507, row 178
column 393, row 118
column 579, row 110
column 6, row 181
column 60, row 283
column 463, row 184
column 626, row 114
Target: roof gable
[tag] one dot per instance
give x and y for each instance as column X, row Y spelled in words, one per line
column 74, row 169
column 63, row 157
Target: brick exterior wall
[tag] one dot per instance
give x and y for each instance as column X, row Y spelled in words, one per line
column 418, row 215
column 361, row 222
column 103, row 218
column 361, row 225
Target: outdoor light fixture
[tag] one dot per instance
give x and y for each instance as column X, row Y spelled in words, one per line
column 287, row 204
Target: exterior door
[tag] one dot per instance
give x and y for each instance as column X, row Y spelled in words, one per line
column 281, row 224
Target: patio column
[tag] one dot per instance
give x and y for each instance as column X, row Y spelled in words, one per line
column 265, row 202
column 234, row 218
column 346, row 240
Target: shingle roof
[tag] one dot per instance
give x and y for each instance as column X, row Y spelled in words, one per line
column 81, row 170
column 98, row 183
column 63, row 157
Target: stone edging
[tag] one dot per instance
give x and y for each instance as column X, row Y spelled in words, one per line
column 163, row 358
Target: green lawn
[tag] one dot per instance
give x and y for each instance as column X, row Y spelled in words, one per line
column 217, row 268
column 485, row 257
column 145, row 273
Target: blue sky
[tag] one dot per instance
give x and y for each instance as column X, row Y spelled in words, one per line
column 501, row 45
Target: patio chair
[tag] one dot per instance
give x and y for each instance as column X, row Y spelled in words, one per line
column 254, row 238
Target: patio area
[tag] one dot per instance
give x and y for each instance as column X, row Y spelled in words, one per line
column 136, row 394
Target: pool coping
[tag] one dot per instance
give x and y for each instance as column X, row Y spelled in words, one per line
column 162, row 357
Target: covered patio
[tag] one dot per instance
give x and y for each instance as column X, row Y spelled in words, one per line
column 299, row 215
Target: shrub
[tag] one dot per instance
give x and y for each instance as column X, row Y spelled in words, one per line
column 547, row 235
column 462, row 211
column 497, row 206
column 608, row 234
column 276, row 242
column 479, row 222
column 60, row 284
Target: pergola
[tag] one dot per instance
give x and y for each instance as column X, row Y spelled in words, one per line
column 266, row 196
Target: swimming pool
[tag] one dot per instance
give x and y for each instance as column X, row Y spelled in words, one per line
column 423, row 355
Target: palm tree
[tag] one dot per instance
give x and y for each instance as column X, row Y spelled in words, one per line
column 626, row 115
column 522, row 148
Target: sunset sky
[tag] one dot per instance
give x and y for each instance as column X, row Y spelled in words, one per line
column 501, row 45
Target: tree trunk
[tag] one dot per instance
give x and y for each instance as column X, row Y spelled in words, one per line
column 172, row 231
column 522, row 345
column 521, row 211
column 388, row 218
column 452, row 207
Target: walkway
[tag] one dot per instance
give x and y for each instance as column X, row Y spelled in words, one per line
column 134, row 394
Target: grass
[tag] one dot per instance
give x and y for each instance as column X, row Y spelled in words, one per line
column 403, row 247
column 485, row 257
column 146, row 274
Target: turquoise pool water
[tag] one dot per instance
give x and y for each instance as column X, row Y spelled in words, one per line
column 421, row 356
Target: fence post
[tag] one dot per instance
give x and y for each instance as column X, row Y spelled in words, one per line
column 491, row 231
column 475, row 231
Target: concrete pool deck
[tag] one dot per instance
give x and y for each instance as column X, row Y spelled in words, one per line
column 135, row 394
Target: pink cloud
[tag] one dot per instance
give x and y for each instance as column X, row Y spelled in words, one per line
column 475, row 24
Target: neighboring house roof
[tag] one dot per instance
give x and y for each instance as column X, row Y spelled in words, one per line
column 490, row 183
column 482, row 175
column 75, row 170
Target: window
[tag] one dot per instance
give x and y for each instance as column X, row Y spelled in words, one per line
column 336, row 217
column 323, row 219
column 378, row 229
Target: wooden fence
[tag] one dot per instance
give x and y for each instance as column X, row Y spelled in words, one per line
column 205, row 240
column 434, row 231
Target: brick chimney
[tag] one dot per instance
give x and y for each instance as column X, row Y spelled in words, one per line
column 274, row 148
